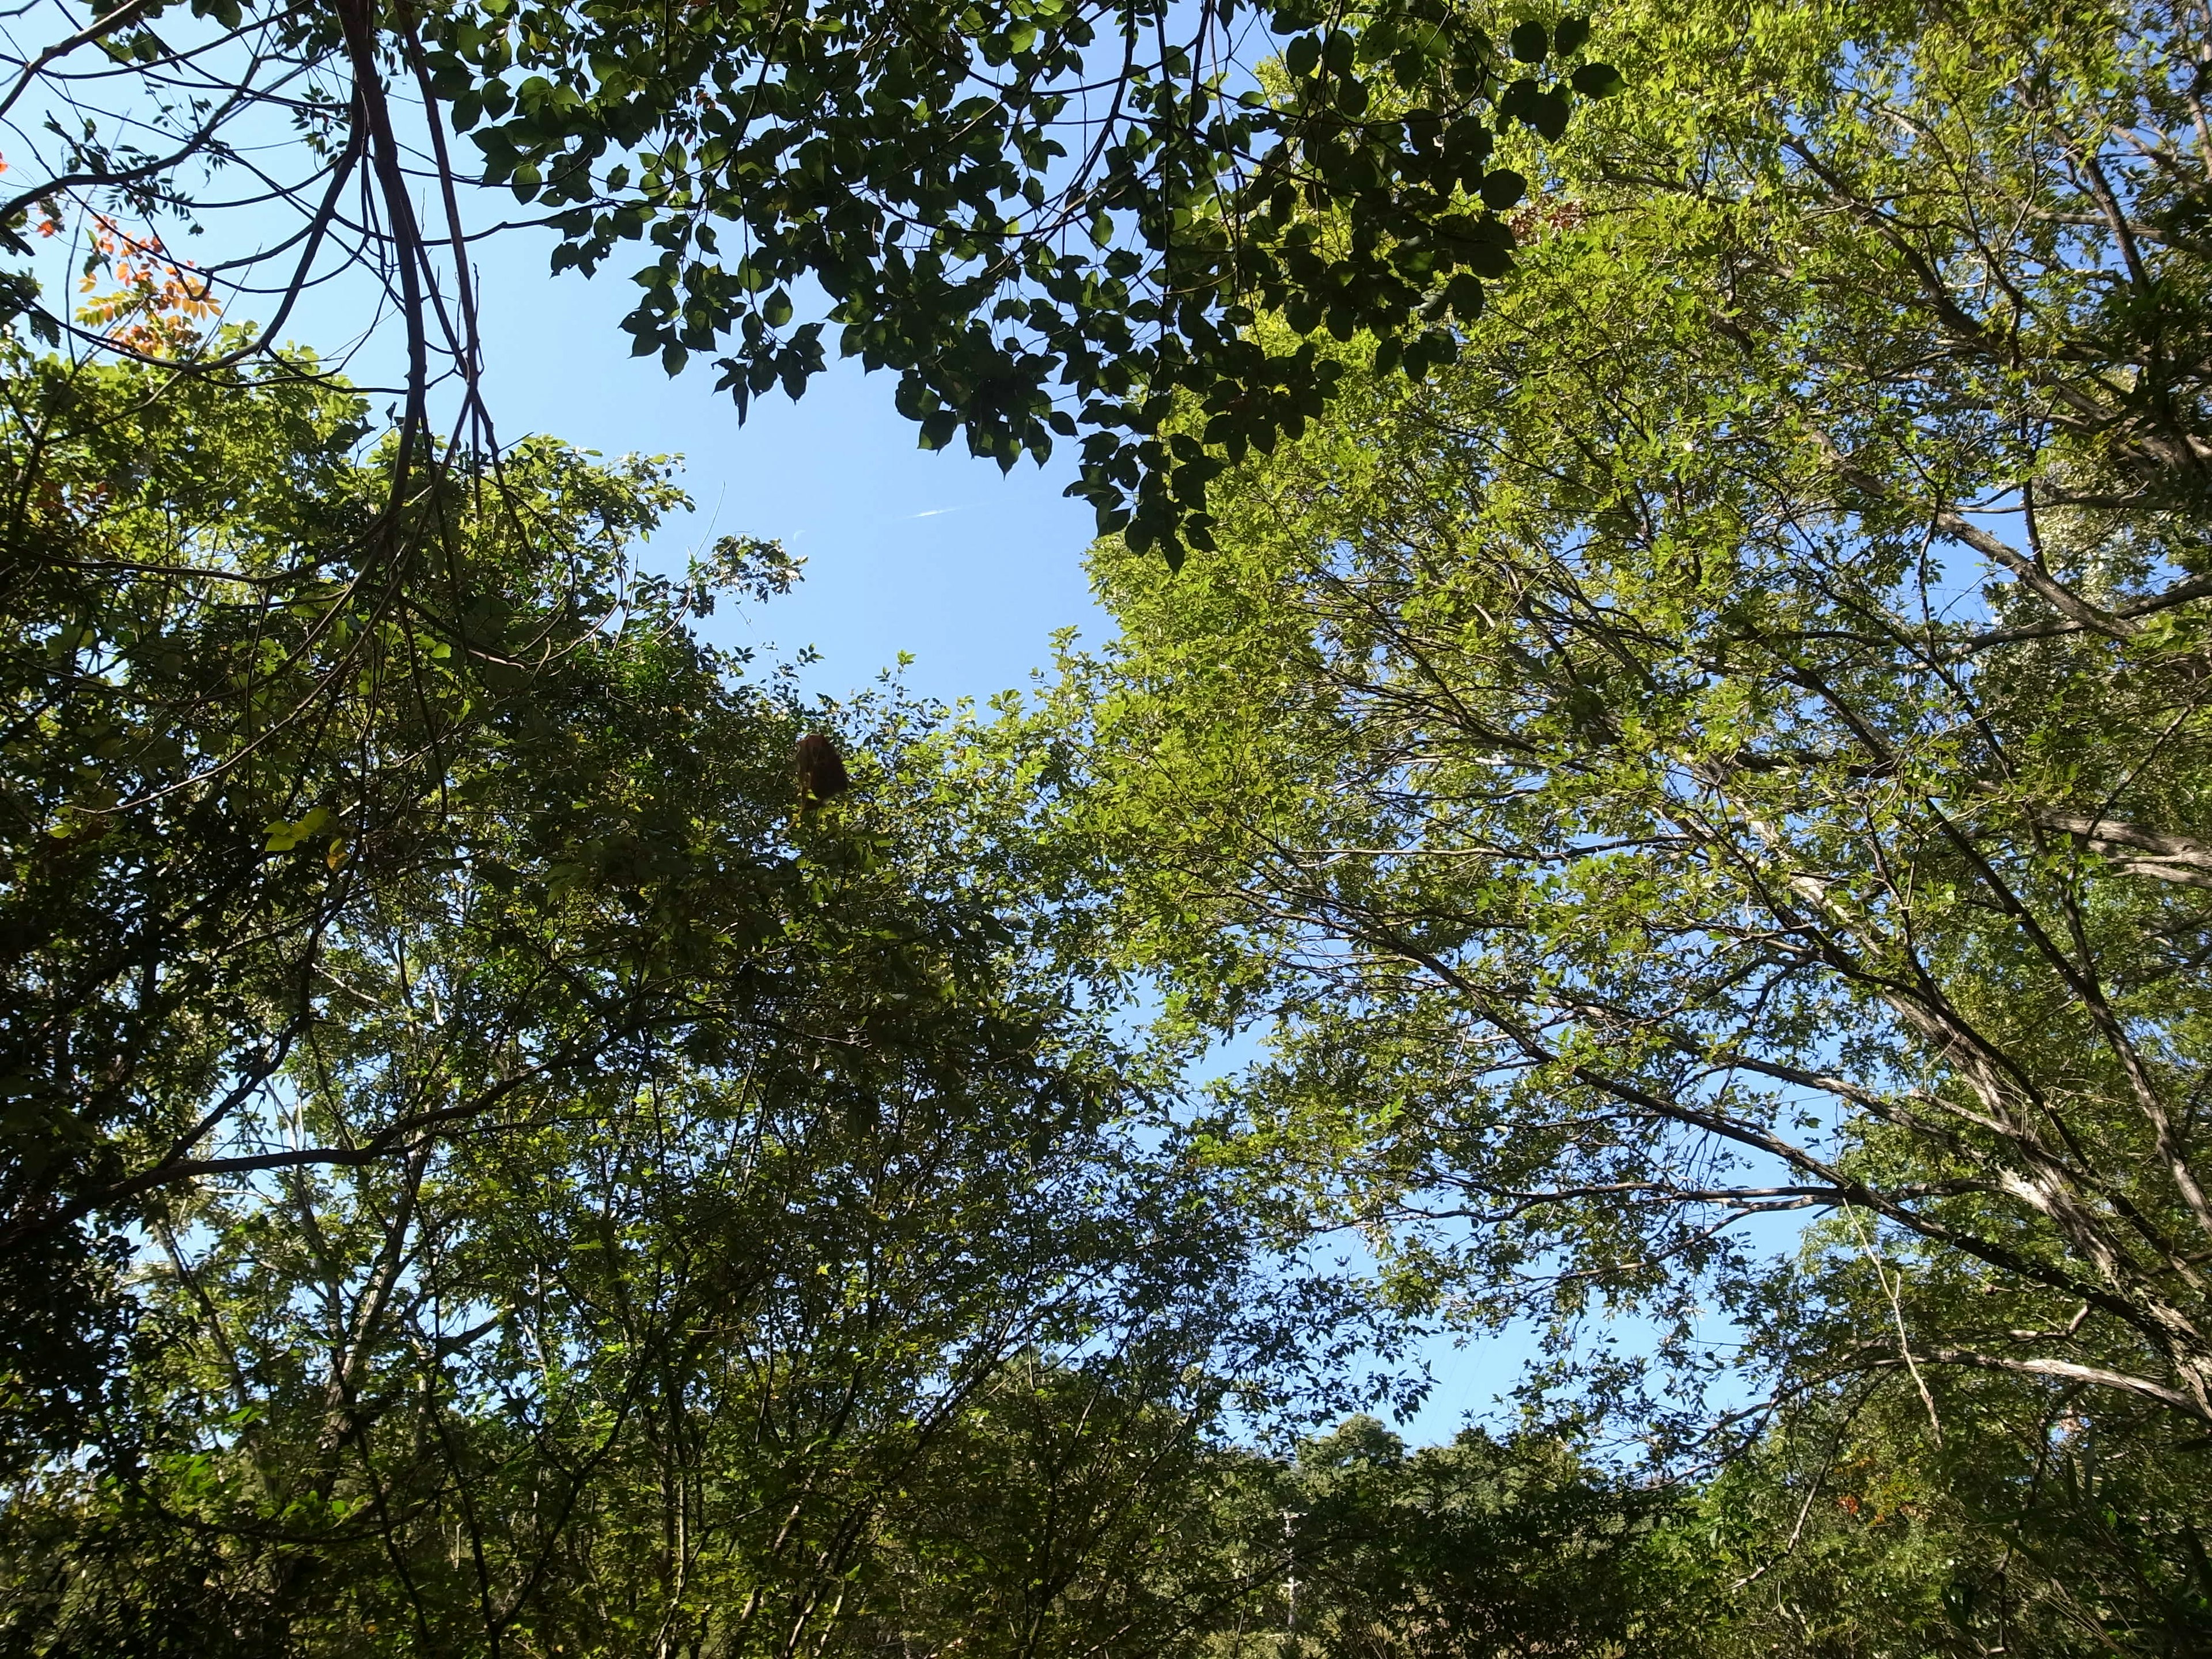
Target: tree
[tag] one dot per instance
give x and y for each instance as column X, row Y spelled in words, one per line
column 486, row 1171
column 1471, row 1549
column 1049, row 219
column 1075, row 1510
column 185, row 843
column 1843, row 1531
column 1734, row 748
column 1347, row 1546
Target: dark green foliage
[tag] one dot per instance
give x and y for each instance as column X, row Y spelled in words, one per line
column 486, row 1169
column 1050, row 219
column 528, row 1189
column 1085, row 1522
column 1471, row 1549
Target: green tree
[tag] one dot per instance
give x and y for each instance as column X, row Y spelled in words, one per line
column 183, row 842
column 1469, row 1550
column 1075, row 1510
column 1088, row 1519
column 1842, row 1533
column 490, row 1172
column 1733, row 750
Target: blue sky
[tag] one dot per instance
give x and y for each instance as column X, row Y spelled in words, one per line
column 932, row 553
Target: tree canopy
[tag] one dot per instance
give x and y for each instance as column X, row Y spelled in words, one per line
column 484, row 1164
column 1677, row 755
column 1049, row 220
column 1731, row 750
column 1642, row 778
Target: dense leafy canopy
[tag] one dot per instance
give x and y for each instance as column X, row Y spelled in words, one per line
column 520, row 1135
column 1049, row 219
column 481, row 1165
column 1734, row 748
column 1644, row 790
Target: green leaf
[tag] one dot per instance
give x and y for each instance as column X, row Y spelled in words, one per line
column 1503, row 189
column 1549, row 112
column 1597, row 81
column 284, row 836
